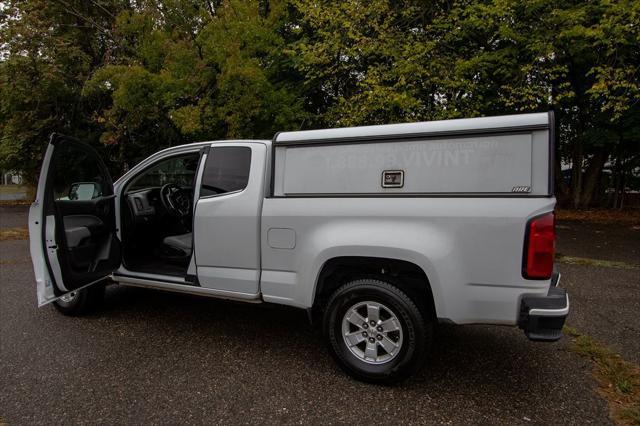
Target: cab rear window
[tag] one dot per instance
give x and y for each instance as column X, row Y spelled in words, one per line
column 226, row 170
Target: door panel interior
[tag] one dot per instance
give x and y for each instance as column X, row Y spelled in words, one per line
column 87, row 237
column 86, row 245
column 78, row 229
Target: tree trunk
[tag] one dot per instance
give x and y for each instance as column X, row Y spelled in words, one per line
column 577, row 158
column 592, row 178
column 618, row 171
column 616, row 185
column 561, row 186
column 622, row 191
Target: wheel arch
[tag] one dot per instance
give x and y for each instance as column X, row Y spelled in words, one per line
column 407, row 275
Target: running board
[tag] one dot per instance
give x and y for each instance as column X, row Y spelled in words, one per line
column 186, row 288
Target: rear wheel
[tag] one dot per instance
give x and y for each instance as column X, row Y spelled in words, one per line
column 81, row 302
column 376, row 332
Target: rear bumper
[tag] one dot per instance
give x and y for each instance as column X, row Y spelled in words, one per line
column 542, row 317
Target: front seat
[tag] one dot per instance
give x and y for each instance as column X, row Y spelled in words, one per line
column 181, row 242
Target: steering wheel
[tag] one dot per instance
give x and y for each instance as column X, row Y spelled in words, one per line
column 175, row 200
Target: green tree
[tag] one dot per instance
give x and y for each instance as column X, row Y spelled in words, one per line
column 356, row 58
column 191, row 72
column 141, row 75
column 382, row 61
column 49, row 49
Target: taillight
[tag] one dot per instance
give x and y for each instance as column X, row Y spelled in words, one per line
column 539, row 247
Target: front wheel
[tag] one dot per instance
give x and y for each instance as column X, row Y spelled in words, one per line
column 81, row 302
column 376, row 332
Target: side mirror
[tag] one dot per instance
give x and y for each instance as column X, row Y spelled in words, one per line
column 83, row 191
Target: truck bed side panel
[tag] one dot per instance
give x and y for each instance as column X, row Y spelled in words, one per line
column 469, row 248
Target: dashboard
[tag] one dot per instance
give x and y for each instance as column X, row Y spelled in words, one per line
column 146, row 204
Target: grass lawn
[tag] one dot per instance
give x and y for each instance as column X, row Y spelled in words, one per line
column 628, row 216
column 619, row 380
column 14, row 234
column 13, row 189
column 15, row 194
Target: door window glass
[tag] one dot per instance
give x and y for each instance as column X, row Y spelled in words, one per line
column 177, row 170
column 77, row 174
column 226, row 170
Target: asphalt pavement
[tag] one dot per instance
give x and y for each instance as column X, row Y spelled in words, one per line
column 14, row 216
column 155, row 357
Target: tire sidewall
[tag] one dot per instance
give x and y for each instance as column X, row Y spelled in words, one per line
column 86, row 301
column 71, row 303
column 413, row 328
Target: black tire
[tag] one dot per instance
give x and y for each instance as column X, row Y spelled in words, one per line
column 416, row 331
column 82, row 302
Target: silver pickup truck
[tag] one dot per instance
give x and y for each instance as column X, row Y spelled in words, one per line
column 379, row 232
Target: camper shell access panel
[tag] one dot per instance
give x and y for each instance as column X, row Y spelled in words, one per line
column 507, row 156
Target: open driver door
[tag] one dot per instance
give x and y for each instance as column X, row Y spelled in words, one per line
column 72, row 222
